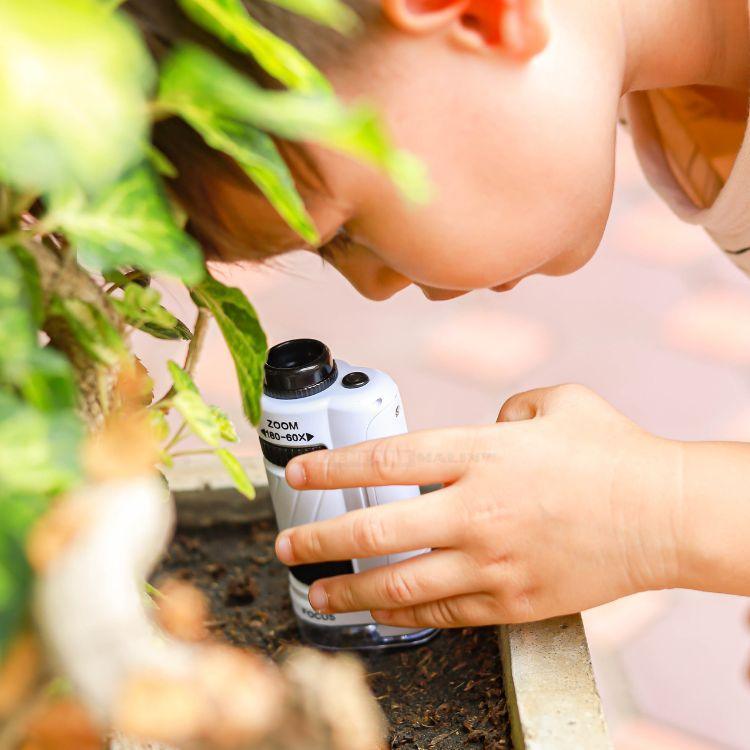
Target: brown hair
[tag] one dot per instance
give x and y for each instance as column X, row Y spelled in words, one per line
column 211, row 187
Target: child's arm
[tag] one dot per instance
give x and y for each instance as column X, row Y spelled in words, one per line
column 715, row 505
column 563, row 505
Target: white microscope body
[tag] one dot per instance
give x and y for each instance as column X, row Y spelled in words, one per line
column 312, row 402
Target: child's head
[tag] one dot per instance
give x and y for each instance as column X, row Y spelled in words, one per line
column 515, row 124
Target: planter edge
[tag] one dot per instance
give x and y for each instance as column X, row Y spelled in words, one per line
column 550, row 688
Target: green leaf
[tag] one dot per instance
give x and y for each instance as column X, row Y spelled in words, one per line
column 178, row 332
column 33, row 285
column 15, row 583
column 39, row 438
column 209, row 423
column 332, row 13
column 140, row 307
column 195, row 80
column 18, row 512
column 18, row 332
column 48, row 383
column 166, row 460
column 43, row 376
column 241, row 329
column 160, row 162
column 181, row 378
column 39, row 452
column 158, row 423
column 226, row 428
column 237, row 473
column 230, row 22
column 92, row 330
column 258, row 156
column 74, row 82
column 119, row 279
column 129, row 224
column 199, row 417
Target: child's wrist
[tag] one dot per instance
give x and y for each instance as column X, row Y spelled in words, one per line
column 715, row 517
column 656, row 501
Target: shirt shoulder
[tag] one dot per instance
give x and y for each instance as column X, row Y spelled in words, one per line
column 694, row 148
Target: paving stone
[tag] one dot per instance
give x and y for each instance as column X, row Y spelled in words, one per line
column 652, row 234
column 645, row 735
column 713, row 323
column 488, row 346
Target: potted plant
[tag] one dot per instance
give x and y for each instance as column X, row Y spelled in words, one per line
column 86, row 221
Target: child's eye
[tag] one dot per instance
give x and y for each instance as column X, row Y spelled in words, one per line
column 340, row 241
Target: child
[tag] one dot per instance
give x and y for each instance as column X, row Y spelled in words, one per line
column 564, row 504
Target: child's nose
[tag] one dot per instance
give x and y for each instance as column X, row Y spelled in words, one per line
column 378, row 286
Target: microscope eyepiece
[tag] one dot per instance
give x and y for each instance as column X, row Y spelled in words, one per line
column 298, row 368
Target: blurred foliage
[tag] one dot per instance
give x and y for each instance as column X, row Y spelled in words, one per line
column 86, row 219
column 74, row 82
column 331, row 13
column 129, row 223
column 193, row 79
column 230, row 22
column 141, row 308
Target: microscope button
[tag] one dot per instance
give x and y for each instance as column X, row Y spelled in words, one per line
column 355, row 380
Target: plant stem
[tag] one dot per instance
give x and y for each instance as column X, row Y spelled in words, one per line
column 133, row 276
column 61, row 276
column 196, row 343
column 175, row 438
column 199, row 452
column 194, row 349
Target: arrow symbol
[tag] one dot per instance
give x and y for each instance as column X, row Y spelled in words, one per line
column 264, row 432
column 309, row 437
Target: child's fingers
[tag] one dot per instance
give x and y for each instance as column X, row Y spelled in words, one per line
column 428, row 457
column 461, row 611
column 421, row 579
column 427, row 521
column 526, row 405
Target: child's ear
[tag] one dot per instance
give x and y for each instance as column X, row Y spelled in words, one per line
column 516, row 27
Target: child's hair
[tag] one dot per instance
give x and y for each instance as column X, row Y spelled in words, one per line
column 204, row 174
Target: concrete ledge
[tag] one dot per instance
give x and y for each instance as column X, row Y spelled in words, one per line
column 550, row 687
column 203, row 493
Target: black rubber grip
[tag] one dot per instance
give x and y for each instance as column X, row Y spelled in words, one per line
column 312, row 572
column 281, row 455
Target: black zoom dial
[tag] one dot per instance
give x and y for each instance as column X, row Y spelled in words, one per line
column 281, row 455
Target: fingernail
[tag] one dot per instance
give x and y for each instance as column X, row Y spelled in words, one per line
column 380, row 615
column 284, row 549
column 295, row 474
column 318, row 599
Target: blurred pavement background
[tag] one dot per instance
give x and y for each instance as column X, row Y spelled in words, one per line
column 658, row 323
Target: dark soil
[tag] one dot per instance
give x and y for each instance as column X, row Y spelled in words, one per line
column 447, row 694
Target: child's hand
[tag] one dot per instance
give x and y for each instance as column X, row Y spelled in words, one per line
column 563, row 505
